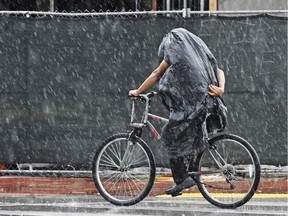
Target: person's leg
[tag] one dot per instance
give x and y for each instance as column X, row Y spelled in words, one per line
column 180, row 176
column 178, row 169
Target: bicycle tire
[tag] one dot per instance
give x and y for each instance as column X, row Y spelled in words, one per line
column 235, row 182
column 127, row 185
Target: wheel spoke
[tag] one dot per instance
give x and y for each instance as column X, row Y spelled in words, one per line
column 107, row 158
column 115, row 152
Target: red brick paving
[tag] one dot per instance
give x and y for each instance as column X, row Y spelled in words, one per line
column 52, row 185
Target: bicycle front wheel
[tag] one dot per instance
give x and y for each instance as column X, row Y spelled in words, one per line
column 229, row 171
column 123, row 170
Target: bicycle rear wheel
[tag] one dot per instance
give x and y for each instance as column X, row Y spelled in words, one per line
column 123, row 170
column 229, row 171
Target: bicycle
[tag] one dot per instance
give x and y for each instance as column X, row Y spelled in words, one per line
column 227, row 173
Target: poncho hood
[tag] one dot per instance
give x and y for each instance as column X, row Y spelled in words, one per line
column 192, row 68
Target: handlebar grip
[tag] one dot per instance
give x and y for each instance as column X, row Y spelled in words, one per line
column 142, row 96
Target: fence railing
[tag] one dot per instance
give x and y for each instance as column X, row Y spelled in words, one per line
column 185, row 12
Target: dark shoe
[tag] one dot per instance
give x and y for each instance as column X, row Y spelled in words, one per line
column 176, row 189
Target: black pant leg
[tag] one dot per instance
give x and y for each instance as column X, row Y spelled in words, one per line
column 179, row 169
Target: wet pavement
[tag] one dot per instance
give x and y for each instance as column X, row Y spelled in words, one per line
column 86, row 205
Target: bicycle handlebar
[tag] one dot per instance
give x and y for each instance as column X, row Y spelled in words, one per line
column 146, row 96
column 151, row 94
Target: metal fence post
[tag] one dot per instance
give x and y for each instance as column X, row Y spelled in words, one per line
column 168, row 5
column 202, row 5
column 51, row 5
column 185, row 9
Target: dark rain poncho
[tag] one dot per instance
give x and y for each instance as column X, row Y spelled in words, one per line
column 184, row 90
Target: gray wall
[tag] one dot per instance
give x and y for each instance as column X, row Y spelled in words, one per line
column 63, row 82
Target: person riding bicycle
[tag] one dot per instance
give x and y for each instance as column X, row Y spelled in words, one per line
column 188, row 80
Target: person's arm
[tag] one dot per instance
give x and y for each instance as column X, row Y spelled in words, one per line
column 218, row 90
column 151, row 80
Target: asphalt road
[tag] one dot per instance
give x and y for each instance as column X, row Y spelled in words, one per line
column 88, row 205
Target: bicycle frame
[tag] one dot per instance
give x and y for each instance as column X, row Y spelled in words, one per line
column 145, row 123
column 146, row 115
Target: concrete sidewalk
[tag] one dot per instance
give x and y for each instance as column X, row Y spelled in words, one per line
column 91, row 205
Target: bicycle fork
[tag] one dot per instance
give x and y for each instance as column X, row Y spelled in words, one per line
column 130, row 141
column 125, row 156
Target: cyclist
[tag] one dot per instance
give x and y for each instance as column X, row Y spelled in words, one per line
column 188, row 78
